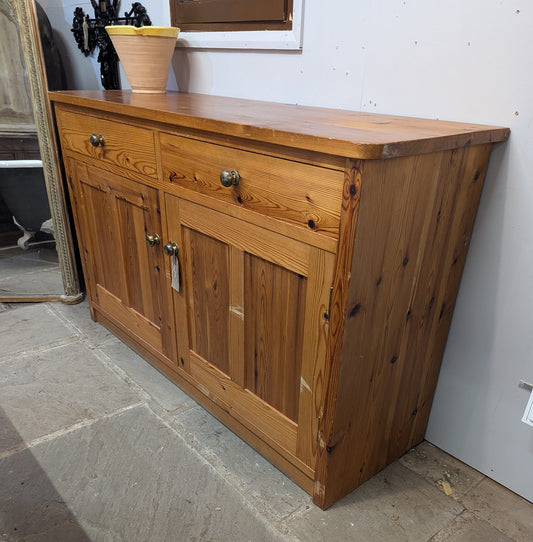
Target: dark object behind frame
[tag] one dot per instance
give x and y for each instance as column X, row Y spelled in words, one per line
column 90, row 33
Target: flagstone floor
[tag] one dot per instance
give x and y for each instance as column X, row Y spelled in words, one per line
column 97, row 445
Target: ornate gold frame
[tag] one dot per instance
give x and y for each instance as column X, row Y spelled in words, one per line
column 25, row 13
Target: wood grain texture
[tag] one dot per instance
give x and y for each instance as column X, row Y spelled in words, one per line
column 305, row 235
column 313, row 377
column 29, row 298
column 321, row 349
column 172, row 233
column 73, row 172
column 237, row 315
column 132, row 320
column 245, row 406
column 209, row 286
column 351, row 197
column 412, row 220
column 263, row 243
column 303, row 195
column 274, row 300
column 304, row 156
column 345, row 133
column 125, row 276
column 102, row 223
column 130, row 147
column 252, row 330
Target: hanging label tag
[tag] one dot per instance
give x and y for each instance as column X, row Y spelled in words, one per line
column 175, row 273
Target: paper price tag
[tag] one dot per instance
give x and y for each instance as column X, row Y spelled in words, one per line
column 175, row 273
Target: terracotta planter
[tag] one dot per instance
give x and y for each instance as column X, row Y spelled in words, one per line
column 145, row 54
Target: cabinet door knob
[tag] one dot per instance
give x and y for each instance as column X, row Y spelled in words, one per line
column 153, row 240
column 97, row 140
column 229, row 178
column 171, row 249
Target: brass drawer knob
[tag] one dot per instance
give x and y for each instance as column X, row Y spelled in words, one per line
column 171, row 249
column 153, row 240
column 97, row 140
column 229, row 178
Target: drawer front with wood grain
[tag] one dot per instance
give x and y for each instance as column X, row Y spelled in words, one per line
column 129, row 147
column 301, row 194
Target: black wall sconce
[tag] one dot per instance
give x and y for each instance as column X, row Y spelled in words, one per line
column 90, row 33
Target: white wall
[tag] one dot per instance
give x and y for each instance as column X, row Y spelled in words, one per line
column 464, row 60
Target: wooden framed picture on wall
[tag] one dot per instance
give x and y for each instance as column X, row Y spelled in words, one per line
column 230, row 15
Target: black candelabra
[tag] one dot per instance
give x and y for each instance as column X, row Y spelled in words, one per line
column 90, row 33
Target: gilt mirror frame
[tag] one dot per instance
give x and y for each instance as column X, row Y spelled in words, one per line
column 26, row 17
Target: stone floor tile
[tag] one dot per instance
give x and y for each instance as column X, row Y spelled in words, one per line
column 15, row 261
column 10, row 438
column 468, row 528
column 161, row 389
column 27, row 495
column 272, row 492
column 42, row 282
column 452, row 476
column 503, row 509
column 50, row 390
column 19, row 331
column 126, row 478
column 396, row 505
column 79, row 317
column 14, row 305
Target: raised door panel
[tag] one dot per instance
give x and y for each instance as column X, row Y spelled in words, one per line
column 255, row 306
column 274, row 303
column 209, row 298
column 127, row 279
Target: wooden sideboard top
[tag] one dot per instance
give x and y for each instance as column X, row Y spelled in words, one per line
column 344, row 133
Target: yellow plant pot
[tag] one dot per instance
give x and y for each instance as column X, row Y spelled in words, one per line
column 145, row 54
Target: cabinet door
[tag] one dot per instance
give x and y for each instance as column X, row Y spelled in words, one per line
column 126, row 278
column 255, row 304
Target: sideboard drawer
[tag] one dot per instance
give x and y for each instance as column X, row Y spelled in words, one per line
column 129, row 147
column 305, row 195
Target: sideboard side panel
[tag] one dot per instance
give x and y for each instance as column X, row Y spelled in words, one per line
column 415, row 220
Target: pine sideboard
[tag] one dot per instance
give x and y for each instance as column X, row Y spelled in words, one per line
column 294, row 269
